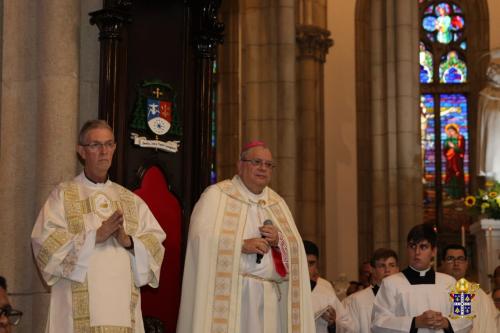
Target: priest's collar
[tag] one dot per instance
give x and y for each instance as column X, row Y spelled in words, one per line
column 422, row 273
column 89, row 181
column 414, row 276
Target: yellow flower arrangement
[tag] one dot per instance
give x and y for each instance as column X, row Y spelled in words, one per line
column 486, row 202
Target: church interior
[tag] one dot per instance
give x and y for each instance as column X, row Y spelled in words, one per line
column 357, row 100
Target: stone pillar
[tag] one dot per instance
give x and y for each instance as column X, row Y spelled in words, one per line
column 487, row 233
column 18, row 144
column 268, row 86
column 313, row 42
column 39, row 114
column 393, row 124
column 58, row 104
column 58, row 93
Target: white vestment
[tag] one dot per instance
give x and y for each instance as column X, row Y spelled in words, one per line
column 224, row 290
column 485, row 311
column 322, row 296
column 359, row 307
column 95, row 287
column 398, row 302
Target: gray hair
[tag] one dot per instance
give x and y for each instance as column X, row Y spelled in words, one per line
column 90, row 125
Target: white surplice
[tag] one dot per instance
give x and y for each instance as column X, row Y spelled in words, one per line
column 95, row 287
column 359, row 307
column 322, row 296
column 398, row 302
column 485, row 311
column 225, row 290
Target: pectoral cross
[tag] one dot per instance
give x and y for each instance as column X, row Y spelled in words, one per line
column 157, row 93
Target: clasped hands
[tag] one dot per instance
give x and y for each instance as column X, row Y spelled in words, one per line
column 431, row 319
column 329, row 315
column 263, row 244
column 113, row 226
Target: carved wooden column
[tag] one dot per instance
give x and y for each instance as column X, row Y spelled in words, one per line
column 207, row 35
column 110, row 20
column 313, row 43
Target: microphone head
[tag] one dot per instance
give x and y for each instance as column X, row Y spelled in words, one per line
column 268, row 222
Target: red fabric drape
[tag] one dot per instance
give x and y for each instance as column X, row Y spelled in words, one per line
column 163, row 302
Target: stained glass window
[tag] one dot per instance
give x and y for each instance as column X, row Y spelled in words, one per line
column 454, row 135
column 443, row 22
column 426, row 63
column 213, row 127
column 428, row 139
column 452, row 69
column 444, row 111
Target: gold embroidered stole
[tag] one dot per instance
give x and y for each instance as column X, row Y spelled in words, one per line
column 74, row 209
column 225, row 268
column 293, row 267
column 224, row 295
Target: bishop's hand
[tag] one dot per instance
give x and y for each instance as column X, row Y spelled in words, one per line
column 255, row 245
column 270, row 233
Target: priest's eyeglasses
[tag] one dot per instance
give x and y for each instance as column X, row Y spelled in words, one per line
column 262, row 163
column 95, row 146
column 13, row 316
column 451, row 259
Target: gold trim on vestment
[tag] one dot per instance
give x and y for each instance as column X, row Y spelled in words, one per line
column 275, row 283
column 80, row 301
column 225, row 264
column 133, row 302
column 89, row 205
column 110, row 329
column 50, row 246
column 153, row 246
column 74, row 210
column 129, row 210
column 294, row 267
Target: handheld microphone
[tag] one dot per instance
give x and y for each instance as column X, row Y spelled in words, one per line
column 259, row 256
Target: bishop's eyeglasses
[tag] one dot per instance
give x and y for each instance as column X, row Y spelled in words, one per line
column 257, row 162
column 13, row 316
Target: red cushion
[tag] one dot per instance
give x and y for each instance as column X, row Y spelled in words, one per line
column 163, row 302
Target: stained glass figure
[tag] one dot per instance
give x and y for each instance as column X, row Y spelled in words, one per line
column 444, row 22
column 426, row 69
column 455, row 136
column 428, row 144
column 443, row 56
column 452, row 69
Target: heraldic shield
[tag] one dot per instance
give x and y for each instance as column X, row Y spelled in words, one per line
column 155, row 116
column 462, row 299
